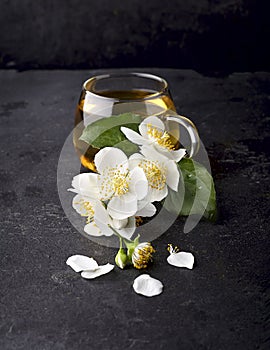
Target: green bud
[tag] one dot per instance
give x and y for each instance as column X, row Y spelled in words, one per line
column 121, row 258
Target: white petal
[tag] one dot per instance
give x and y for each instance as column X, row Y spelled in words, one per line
column 73, row 190
column 152, row 154
column 101, row 270
column 92, row 229
column 77, row 204
column 123, row 206
column 102, row 220
column 155, row 195
column 106, row 190
column 134, row 160
column 138, row 183
column 136, row 156
column 127, row 232
column 181, row 259
column 147, row 286
column 149, row 210
column 86, row 185
column 173, row 155
column 109, row 157
column 80, row 262
column 172, row 176
column 154, row 121
column 178, row 154
column 141, row 204
column 133, row 136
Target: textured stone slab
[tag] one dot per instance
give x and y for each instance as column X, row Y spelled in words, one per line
column 221, row 304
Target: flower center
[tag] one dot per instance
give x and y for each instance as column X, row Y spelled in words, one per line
column 155, row 174
column 89, row 210
column 115, row 182
column 120, row 183
column 161, row 138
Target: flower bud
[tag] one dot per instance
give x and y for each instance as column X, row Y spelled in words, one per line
column 119, row 224
column 121, row 258
column 142, row 255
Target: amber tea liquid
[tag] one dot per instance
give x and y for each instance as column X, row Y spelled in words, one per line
column 92, row 107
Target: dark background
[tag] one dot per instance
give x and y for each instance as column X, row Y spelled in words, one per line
column 205, row 35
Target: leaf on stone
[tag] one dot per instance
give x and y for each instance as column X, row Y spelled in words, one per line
column 196, row 191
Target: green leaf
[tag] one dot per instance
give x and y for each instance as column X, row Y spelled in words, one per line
column 196, row 191
column 106, row 132
column 127, row 147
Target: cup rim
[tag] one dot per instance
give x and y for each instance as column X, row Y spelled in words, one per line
column 127, row 74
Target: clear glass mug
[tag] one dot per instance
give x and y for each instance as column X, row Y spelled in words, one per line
column 139, row 93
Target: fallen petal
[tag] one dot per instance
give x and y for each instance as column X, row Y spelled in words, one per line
column 101, row 270
column 80, row 262
column 181, row 259
column 147, row 285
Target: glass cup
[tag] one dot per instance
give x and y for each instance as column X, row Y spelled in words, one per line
column 139, row 93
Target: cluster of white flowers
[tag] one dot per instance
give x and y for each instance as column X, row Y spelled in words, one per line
column 123, row 187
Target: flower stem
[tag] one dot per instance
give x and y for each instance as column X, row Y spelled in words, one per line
column 127, row 241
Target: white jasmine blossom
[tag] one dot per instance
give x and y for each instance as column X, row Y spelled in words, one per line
column 180, row 259
column 160, row 172
column 116, row 184
column 98, row 220
column 119, row 185
column 147, row 285
column 88, row 267
column 153, row 133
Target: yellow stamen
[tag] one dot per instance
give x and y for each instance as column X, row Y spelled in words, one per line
column 155, row 174
column 172, row 250
column 115, row 182
column 163, row 139
column 142, row 255
column 89, row 210
column 120, row 183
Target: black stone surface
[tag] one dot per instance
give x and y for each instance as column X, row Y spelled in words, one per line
column 222, row 304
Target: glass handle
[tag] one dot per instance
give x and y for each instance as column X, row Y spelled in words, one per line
column 192, row 132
